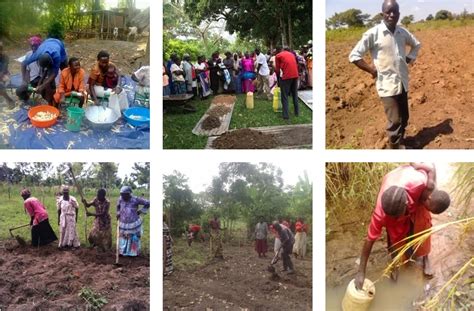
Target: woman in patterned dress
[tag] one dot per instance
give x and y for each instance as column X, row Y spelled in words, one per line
column 101, row 233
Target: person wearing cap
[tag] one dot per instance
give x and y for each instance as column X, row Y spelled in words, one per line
column 41, row 231
column 5, row 77
column 406, row 198
column 51, row 56
column 130, row 222
column 67, row 219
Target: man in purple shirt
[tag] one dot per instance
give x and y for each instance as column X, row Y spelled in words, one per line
column 130, row 222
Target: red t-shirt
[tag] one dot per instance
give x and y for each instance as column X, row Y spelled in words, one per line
column 36, row 210
column 194, row 228
column 414, row 182
column 286, row 61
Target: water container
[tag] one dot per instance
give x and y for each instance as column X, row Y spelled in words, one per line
column 358, row 300
column 276, row 99
column 74, row 118
column 249, row 100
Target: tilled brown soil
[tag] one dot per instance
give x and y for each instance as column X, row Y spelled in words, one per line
column 224, row 100
column 219, row 111
column 245, row 139
column 239, row 282
column 48, row 279
column 210, row 122
column 441, row 95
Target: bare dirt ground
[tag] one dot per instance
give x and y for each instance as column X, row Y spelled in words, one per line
column 126, row 55
column 441, row 96
column 450, row 250
column 48, row 279
column 239, row 282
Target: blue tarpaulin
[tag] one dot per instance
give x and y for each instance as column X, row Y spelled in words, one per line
column 17, row 132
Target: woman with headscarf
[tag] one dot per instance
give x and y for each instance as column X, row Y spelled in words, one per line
column 101, row 233
column 130, row 222
column 41, row 231
column 248, row 74
column 67, row 219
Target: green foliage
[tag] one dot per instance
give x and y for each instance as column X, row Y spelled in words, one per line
column 178, row 126
column 407, row 20
column 141, row 174
column 443, row 14
column 351, row 191
column 349, row 18
column 180, row 47
column 429, row 17
column 272, row 21
column 94, row 301
column 239, row 194
column 55, row 30
column 178, row 203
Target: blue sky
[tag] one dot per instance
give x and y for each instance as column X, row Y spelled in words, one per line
column 419, row 8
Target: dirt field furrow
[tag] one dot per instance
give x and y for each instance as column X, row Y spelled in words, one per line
column 441, row 95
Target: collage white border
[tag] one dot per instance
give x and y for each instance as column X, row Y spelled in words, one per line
column 315, row 158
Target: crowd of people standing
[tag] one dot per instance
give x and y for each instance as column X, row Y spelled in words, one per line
column 239, row 72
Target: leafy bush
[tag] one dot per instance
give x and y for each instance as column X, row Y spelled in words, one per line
column 94, row 300
column 55, row 30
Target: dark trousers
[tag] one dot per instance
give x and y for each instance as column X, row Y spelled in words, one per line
column 288, row 87
column 285, row 255
column 396, row 110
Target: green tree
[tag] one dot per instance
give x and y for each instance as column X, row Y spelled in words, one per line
column 107, row 175
column 443, row 14
column 178, row 202
column 407, row 20
column 429, row 17
column 349, row 18
column 141, row 174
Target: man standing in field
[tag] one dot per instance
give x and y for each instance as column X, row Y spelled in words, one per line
column 406, row 199
column 386, row 43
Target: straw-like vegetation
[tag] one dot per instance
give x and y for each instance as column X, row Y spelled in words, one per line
column 352, row 187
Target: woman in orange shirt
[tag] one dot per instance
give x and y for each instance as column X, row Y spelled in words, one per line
column 71, row 80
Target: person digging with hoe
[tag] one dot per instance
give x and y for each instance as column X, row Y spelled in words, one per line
column 41, row 231
column 386, row 43
column 287, row 241
column 406, row 199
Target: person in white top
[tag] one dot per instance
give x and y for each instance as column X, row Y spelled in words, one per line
column 177, row 72
column 263, row 73
column 386, row 43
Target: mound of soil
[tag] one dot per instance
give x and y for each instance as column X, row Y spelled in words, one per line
column 224, row 100
column 239, row 282
column 219, row 111
column 210, row 122
column 48, row 279
column 440, row 95
column 245, row 139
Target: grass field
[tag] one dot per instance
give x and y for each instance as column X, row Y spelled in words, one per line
column 12, row 213
column 177, row 126
column 356, row 32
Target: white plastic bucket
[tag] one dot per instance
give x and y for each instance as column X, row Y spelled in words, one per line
column 358, row 300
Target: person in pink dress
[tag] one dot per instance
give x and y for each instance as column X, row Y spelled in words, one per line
column 248, row 74
column 41, row 231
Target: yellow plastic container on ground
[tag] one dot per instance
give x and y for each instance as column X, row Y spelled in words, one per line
column 276, row 99
column 358, row 300
column 249, row 100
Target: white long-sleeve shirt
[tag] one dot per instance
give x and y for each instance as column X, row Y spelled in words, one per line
column 388, row 51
